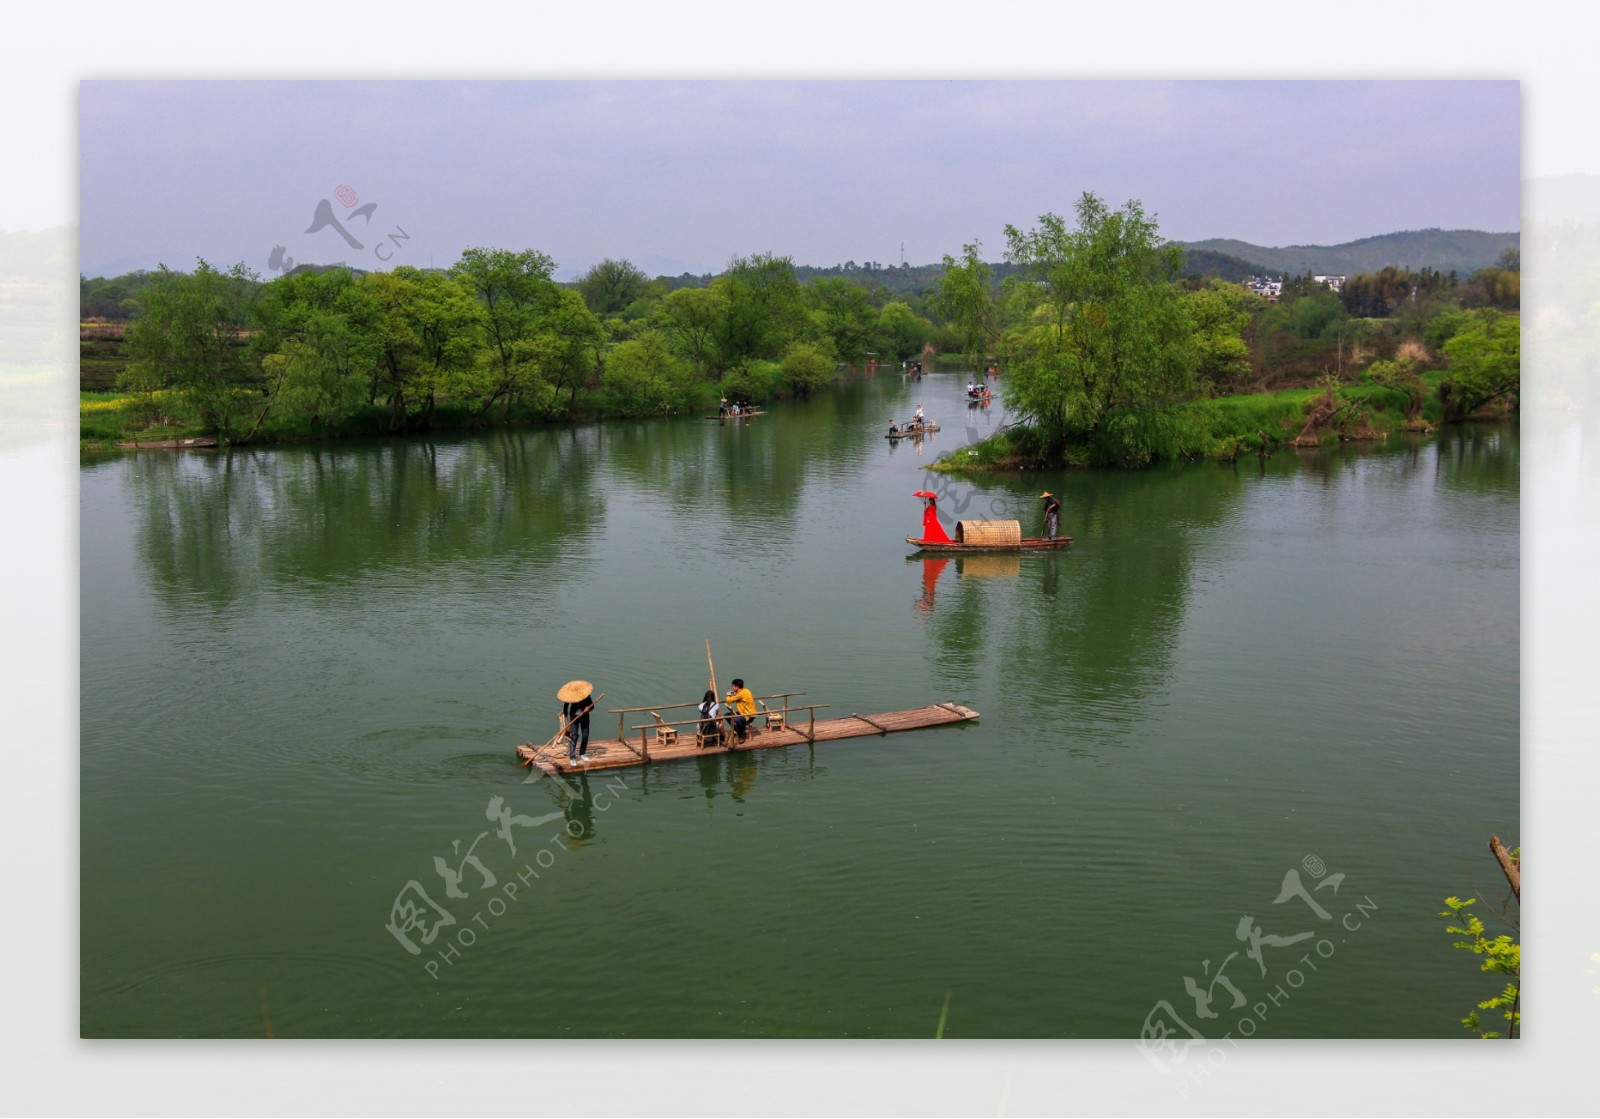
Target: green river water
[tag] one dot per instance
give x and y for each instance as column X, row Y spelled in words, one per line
column 305, row 669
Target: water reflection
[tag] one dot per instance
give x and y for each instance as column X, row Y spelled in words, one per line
column 932, row 568
column 982, row 566
column 1481, row 459
column 577, row 806
column 214, row 527
column 755, row 470
column 732, row 775
column 1088, row 632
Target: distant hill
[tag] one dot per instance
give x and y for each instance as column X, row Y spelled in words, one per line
column 1449, row 250
column 1208, row 262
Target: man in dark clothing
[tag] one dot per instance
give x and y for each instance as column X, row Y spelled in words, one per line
column 576, row 702
column 1052, row 514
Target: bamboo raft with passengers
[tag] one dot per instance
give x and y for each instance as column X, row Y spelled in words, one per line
column 778, row 722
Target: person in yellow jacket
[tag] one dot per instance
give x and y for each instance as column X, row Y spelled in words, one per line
column 744, row 708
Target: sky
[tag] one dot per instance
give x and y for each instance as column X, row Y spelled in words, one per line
column 681, row 176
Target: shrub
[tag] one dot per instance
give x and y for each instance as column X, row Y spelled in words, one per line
column 753, row 382
column 806, row 367
column 643, row 377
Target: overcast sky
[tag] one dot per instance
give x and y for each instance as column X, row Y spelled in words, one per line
column 681, row 175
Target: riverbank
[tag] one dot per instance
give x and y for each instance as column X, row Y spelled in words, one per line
column 110, row 421
column 1222, row 428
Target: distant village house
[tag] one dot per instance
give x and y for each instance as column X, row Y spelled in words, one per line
column 1267, row 289
column 1272, row 290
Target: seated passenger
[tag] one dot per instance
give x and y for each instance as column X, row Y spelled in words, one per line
column 744, row 708
column 710, row 724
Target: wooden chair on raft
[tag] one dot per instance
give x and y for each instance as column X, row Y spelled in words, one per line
column 663, row 735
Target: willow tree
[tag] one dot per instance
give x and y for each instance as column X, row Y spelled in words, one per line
column 1108, row 354
column 965, row 300
column 190, row 335
column 538, row 340
column 1483, row 364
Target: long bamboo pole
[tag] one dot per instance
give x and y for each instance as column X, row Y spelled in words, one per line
column 711, row 684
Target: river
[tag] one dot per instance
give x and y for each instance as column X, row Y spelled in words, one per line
column 1256, row 724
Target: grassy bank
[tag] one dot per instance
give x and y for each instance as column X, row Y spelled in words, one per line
column 1222, row 428
column 108, row 419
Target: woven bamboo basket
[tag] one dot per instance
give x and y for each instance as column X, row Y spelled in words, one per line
column 988, row 532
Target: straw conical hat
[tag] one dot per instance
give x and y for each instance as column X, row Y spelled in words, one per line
column 574, row 690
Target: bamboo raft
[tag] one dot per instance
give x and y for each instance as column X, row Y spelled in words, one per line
column 792, row 725
column 740, row 416
column 912, row 430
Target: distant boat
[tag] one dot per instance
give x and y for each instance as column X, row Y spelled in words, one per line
column 913, row 429
column 736, row 415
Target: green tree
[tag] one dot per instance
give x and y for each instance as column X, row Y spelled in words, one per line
column 844, row 315
column 320, row 371
column 612, row 286
column 1111, row 348
column 643, row 377
column 1400, row 375
column 901, row 332
column 321, row 334
column 1443, row 327
column 566, row 351
column 1222, row 313
column 1493, row 287
column 538, row 339
column 806, row 367
column 965, row 299
column 690, row 316
column 1319, row 314
column 1502, row 955
column 190, row 336
column 1483, row 364
column 424, row 328
column 763, row 312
